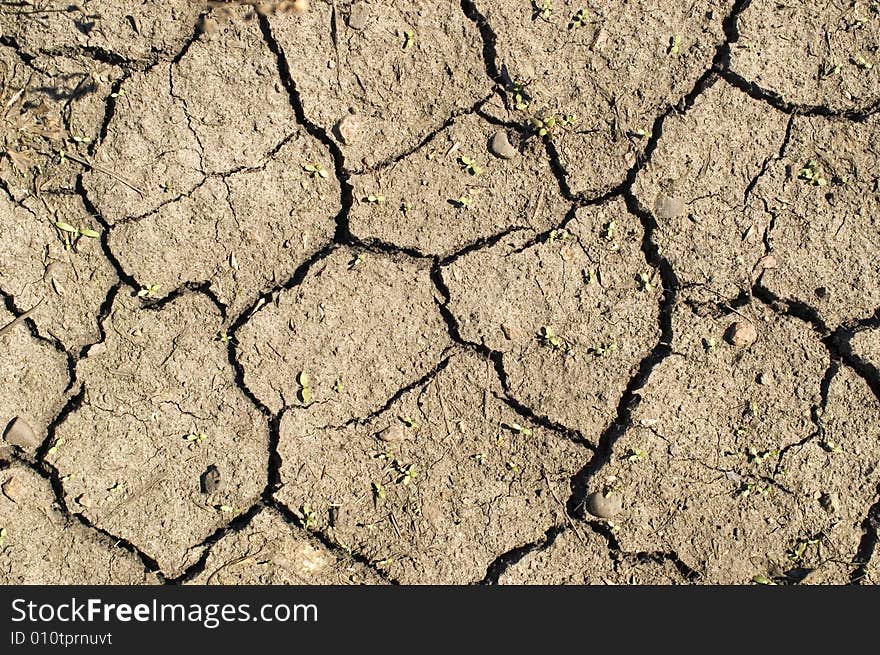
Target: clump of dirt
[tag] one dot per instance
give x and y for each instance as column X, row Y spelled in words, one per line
column 35, row 377
column 40, row 545
column 573, row 313
column 471, row 479
column 404, row 70
column 612, row 69
column 712, row 176
column 453, row 192
column 270, row 551
column 581, row 557
column 159, row 406
column 360, row 326
column 719, row 464
column 811, row 53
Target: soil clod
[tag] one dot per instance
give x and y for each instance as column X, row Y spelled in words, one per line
column 604, row 505
column 500, row 145
column 742, row 334
column 20, row 434
column 210, row 480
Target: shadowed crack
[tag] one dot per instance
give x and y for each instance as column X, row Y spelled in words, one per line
column 500, row 564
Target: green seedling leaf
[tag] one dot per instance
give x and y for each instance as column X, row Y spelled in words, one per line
column 410, row 38
column 66, row 227
column 148, row 291
column 308, row 517
column 762, row 580
column 375, row 199
column 55, row 446
column 86, row 232
column 674, row 44
column 305, row 395
column 304, row 379
column 578, row 20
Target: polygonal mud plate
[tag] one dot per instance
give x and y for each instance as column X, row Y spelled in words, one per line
column 703, row 185
column 361, row 326
column 42, row 546
column 34, row 375
column 582, row 557
column 463, row 480
column 435, row 204
column 160, row 407
column 825, row 233
column 584, row 284
column 181, row 121
column 271, row 551
column 710, row 468
column 66, row 286
column 138, row 31
column 616, row 73
column 401, row 94
column 243, row 233
column 813, row 53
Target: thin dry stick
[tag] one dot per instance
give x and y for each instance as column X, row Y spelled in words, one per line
column 95, row 167
column 18, row 319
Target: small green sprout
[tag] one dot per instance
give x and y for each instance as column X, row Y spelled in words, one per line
column 409, row 39
column 796, row 554
column 644, row 281
column 149, row 290
column 80, row 139
column 337, row 386
column 542, row 126
column 470, row 165
column 479, row 458
column 569, row 120
column 305, row 387
column 375, row 199
column 862, row 63
column 224, row 338
column 411, row 424
column 589, row 276
column 166, row 186
column 641, row 134
column 309, row 518
column 55, row 446
column 560, row 235
column 548, row 337
column 759, row 457
column 519, row 429
column 674, row 44
column 379, row 491
column 406, row 208
column 356, row 261
column 72, row 234
column 604, row 349
column 762, row 580
column 709, row 344
column 813, row 174
column 578, row 20
column 118, row 94
column 2, row 535
column 513, row 467
column 749, row 488
column 316, row 170
column 829, row 69
column 520, row 98
column 464, row 202
column 408, row 475
column 542, row 9
column 634, row 455
column 609, row 231
column 228, row 509
column 118, row 486
column 196, row 437
column 830, row 446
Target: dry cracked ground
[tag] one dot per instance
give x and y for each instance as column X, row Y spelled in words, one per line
column 490, row 291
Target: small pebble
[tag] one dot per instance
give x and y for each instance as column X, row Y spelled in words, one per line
column 359, row 15
column 348, row 129
column 13, row 489
column 210, row 480
column 598, row 504
column 742, row 334
column 500, row 146
column 666, row 207
column 20, row 434
column 394, row 433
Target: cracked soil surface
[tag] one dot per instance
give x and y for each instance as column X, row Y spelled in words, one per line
column 477, row 291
